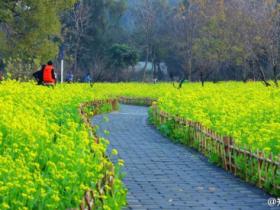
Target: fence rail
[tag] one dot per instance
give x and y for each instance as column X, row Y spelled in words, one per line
column 90, row 197
column 254, row 167
column 136, row 101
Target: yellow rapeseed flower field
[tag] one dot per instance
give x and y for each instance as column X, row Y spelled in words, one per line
column 48, row 159
column 250, row 112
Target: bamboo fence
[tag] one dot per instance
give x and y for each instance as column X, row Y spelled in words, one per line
column 136, row 101
column 90, row 198
column 253, row 167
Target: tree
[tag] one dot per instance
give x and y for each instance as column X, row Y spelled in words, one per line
column 121, row 56
column 210, row 47
column 185, row 25
column 90, row 29
column 75, row 22
column 258, row 37
column 146, row 25
column 273, row 37
column 30, row 31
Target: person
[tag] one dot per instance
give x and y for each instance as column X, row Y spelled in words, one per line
column 1, row 76
column 2, row 66
column 49, row 74
column 87, row 78
column 70, row 77
column 55, row 77
column 38, row 75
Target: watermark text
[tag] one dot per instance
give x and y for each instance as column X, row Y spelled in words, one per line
column 273, row 202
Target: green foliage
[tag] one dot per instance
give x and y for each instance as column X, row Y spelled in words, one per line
column 211, row 46
column 30, row 29
column 245, row 112
column 122, row 56
column 89, row 36
column 192, row 137
column 48, row 157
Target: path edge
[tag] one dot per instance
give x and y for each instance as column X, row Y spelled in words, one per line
column 261, row 171
column 89, row 199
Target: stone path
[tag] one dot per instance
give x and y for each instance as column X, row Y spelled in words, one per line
column 163, row 175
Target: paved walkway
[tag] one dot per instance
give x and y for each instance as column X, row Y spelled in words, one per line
column 163, row 175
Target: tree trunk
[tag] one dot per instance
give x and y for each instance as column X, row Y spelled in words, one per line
column 245, row 74
column 160, row 75
column 181, row 83
column 252, row 67
column 275, row 75
column 202, row 79
column 189, row 68
column 154, row 70
column 262, row 74
column 76, row 54
column 146, row 64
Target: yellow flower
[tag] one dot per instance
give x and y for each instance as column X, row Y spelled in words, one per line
column 121, row 162
column 114, row 152
column 55, row 198
column 5, row 206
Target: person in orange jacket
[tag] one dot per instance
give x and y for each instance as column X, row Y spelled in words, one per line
column 48, row 74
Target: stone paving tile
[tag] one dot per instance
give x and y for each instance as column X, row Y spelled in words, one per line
column 164, row 175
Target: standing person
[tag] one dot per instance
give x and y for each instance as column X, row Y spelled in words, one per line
column 49, row 75
column 87, row 78
column 55, row 77
column 70, row 77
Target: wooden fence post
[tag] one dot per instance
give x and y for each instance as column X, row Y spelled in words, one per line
column 191, row 132
column 154, row 113
column 207, row 141
column 163, row 117
column 228, row 161
column 260, row 162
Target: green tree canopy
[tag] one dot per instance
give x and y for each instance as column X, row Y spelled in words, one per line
column 122, row 56
column 30, row 29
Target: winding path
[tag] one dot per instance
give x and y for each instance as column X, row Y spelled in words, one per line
column 163, row 175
